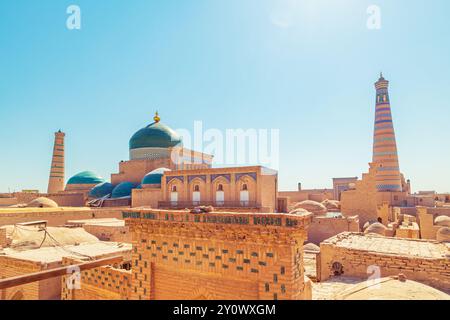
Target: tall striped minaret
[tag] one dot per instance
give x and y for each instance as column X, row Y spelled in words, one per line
column 56, row 180
column 385, row 156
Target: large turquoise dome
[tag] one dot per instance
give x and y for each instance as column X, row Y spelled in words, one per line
column 101, row 190
column 155, row 176
column 86, row 177
column 155, row 135
column 123, row 189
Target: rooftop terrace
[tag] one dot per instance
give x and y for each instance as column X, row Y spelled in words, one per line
column 390, row 246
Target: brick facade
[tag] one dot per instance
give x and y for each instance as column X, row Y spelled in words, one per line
column 179, row 255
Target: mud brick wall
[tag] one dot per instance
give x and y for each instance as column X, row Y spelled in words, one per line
column 102, row 283
column 10, row 267
column 431, row 271
column 178, row 255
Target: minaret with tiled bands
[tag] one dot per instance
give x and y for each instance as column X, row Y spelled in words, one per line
column 385, row 156
column 56, row 180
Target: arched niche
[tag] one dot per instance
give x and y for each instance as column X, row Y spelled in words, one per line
column 246, row 190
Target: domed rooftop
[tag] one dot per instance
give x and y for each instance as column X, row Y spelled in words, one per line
column 376, row 228
column 443, row 234
column 332, row 204
column 155, row 176
column 442, row 221
column 299, row 211
column 390, row 288
column 42, row 202
column 155, row 135
column 86, row 177
column 123, row 190
column 311, row 247
column 311, row 206
column 101, row 190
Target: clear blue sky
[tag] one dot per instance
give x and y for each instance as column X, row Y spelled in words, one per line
column 305, row 67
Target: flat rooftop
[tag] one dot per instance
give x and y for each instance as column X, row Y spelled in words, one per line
column 390, row 246
column 6, row 210
column 55, row 254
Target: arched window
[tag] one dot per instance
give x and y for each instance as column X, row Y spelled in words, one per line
column 174, row 196
column 220, row 196
column 244, row 195
column 196, row 195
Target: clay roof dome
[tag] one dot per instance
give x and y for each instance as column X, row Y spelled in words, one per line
column 311, row 247
column 101, row 190
column 443, row 234
column 299, row 211
column 443, row 221
column 311, row 206
column 123, row 190
column 86, row 177
column 155, row 176
column 376, row 228
column 42, row 202
column 392, row 289
column 155, row 135
column 332, row 204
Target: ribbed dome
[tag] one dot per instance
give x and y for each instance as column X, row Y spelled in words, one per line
column 155, row 135
column 155, row 176
column 101, row 190
column 123, row 190
column 86, row 177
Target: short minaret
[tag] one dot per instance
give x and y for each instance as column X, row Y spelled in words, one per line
column 56, row 180
column 385, row 156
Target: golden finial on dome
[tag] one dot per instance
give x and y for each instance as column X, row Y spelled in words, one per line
column 156, row 117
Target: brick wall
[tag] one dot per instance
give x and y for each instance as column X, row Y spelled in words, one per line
column 323, row 228
column 102, row 283
column 109, row 233
column 178, row 255
column 10, row 267
column 431, row 271
column 54, row 216
column 3, row 242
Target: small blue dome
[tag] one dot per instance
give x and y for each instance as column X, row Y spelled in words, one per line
column 123, row 190
column 101, row 190
column 86, row 177
column 155, row 176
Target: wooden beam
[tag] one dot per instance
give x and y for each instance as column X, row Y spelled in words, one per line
column 62, row 271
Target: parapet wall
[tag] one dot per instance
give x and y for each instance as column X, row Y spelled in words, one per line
column 63, row 199
column 180, row 255
column 323, row 228
column 109, row 233
column 54, row 216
